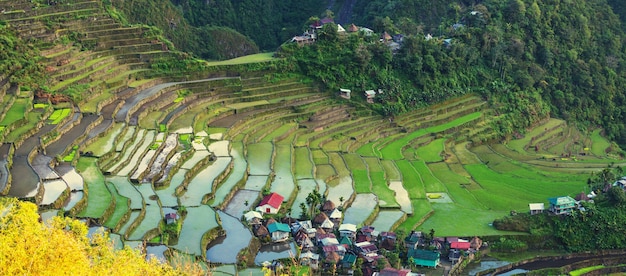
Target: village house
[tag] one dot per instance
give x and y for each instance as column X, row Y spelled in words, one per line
column 562, row 205
column 347, row 230
column 349, row 259
column 370, row 95
column 270, row 204
column 335, row 216
column 310, row 259
column 171, row 218
column 460, row 245
column 253, row 217
column 303, row 240
column 345, row 93
column 424, row 258
column 413, row 240
column 279, row 231
column 536, row 208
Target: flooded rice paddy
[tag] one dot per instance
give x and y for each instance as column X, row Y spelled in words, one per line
column 305, row 186
column 52, row 191
column 225, row 249
column 386, row 219
column 362, row 206
column 202, row 183
column 199, row 220
column 402, row 196
column 236, row 174
column 274, row 251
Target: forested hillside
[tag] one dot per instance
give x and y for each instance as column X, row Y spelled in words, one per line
column 517, row 53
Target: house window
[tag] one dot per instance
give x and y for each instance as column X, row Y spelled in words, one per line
column 267, row 210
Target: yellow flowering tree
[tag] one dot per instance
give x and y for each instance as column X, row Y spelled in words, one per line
column 29, row 247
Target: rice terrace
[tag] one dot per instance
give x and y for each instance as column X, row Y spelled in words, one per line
column 208, row 145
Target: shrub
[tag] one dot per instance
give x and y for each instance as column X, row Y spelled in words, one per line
column 509, row 245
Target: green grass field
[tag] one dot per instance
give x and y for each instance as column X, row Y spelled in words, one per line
column 432, row 151
column 421, row 207
column 379, row 183
column 431, row 183
column 411, row 180
column 16, row 112
column 245, row 59
column 393, row 149
column 58, row 115
column 391, row 170
column 303, row 165
column 599, row 144
column 33, row 118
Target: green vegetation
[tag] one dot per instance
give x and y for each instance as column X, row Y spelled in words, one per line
column 98, row 197
column 58, row 115
column 71, row 155
column 16, row 112
column 121, row 207
column 392, row 150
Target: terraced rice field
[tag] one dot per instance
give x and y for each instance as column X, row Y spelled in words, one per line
column 240, row 135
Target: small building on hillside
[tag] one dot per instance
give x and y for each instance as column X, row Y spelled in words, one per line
column 345, row 93
column 536, row 208
column 425, row 258
column 562, row 205
column 370, row 95
column 270, row 204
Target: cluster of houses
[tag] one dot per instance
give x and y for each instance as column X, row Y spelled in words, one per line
column 326, row 243
column 310, row 36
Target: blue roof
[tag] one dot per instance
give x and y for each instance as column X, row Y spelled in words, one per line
column 561, row 200
column 277, row 226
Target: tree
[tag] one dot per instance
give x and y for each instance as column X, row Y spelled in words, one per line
column 62, row 247
column 313, row 200
column 304, row 214
column 617, row 196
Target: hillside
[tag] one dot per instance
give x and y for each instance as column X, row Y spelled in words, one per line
column 107, row 121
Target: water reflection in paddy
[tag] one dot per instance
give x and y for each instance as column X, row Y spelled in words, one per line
column 342, row 189
column 156, row 252
column 256, row 182
column 386, row 219
column 236, row 174
column 306, row 186
column 402, row 196
column 52, row 190
column 361, row 208
column 225, row 249
column 237, row 205
column 275, row 251
column 75, row 197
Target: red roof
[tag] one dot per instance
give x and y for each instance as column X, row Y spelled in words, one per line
column 460, row 245
column 273, row 199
